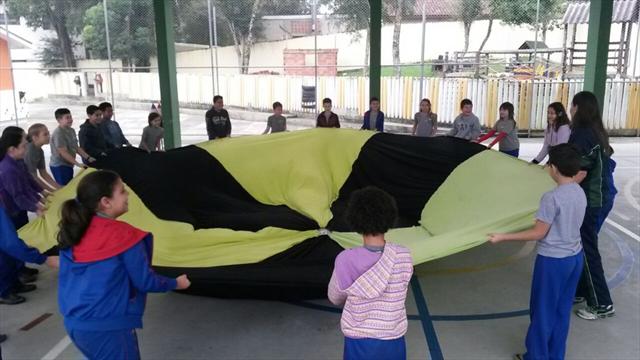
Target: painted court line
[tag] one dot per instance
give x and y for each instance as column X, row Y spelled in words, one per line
column 36, row 322
column 628, row 193
column 427, row 324
column 58, row 349
column 624, row 230
column 622, row 217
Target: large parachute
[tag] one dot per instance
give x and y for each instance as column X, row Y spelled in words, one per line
column 262, row 216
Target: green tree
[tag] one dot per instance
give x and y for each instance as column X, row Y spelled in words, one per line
column 356, row 14
column 64, row 16
column 241, row 19
column 469, row 11
column 523, row 12
column 131, row 30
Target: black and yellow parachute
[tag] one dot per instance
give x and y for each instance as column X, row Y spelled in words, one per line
column 261, row 216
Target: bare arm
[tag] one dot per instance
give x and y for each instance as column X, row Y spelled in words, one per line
column 539, row 231
column 67, row 157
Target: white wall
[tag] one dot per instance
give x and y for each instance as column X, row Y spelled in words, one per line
column 440, row 38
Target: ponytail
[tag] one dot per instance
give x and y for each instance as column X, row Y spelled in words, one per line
column 77, row 213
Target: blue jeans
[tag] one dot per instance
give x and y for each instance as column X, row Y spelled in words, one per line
column 106, row 345
column 62, row 174
column 552, row 290
column 515, row 153
column 372, row 349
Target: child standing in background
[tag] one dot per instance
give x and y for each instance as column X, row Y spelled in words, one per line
column 425, row 122
column 557, row 131
column 466, row 125
column 152, row 134
column 327, row 118
column 371, row 281
column 507, row 130
column 64, row 147
column 37, row 136
column 374, row 118
column 276, row 122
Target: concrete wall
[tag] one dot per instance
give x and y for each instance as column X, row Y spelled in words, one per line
column 441, row 37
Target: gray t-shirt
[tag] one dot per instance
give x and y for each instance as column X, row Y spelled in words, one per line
column 151, row 137
column 278, row 123
column 466, row 127
column 563, row 208
column 63, row 138
column 425, row 124
column 509, row 142
column 34, row 159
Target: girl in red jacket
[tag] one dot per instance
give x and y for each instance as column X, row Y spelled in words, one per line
column 105, row 270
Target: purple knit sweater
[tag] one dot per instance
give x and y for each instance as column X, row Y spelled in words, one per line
column 374, row 304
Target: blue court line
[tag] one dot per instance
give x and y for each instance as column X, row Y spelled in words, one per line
column 425, row 318
column 627, row 260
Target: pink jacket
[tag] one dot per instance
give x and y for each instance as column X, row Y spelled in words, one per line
column 374, row 304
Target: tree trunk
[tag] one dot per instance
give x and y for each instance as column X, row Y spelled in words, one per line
column 397, row 23
column 486, row 38
column 467, row 31
column 59, row 22
column 248, row 44
column 367, row 53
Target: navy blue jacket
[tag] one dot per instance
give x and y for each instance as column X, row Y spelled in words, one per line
column 108, row 294
column 13, row 252
column 379, row 121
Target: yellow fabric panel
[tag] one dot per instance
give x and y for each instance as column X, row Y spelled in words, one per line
column 176, row 244
column 302, row 169
column 490, row 192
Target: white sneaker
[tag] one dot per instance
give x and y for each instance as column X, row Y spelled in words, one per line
column 596, row 312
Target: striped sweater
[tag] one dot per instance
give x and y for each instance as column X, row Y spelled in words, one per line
column 374, row 304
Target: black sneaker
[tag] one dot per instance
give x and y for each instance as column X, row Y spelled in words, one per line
column 30, row 271
column 12, row 299
column 26, row 278
column 596, row 312
column 24, row 288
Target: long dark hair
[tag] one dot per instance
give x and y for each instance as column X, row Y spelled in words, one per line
column 11, row 136
column 561, row 115
column 77, row 213
column 509, row 107
column 588, row 116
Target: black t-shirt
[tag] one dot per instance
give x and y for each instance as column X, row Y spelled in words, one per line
column 218, row 123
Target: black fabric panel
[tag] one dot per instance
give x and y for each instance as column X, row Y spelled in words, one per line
column 410, row 168
column 189, row 185
column 301, row 272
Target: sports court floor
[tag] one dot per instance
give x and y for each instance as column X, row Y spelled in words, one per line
column 472, row 305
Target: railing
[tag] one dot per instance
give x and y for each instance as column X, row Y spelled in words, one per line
column 400, row 97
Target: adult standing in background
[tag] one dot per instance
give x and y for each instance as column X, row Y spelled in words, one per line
column 217, row 119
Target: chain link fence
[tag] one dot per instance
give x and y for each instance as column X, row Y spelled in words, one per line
column 256, row 52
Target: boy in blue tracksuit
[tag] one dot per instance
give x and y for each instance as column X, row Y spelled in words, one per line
column 105, row 270
column 560, row 259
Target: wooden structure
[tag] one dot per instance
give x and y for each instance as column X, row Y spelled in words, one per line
column 625, row 12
